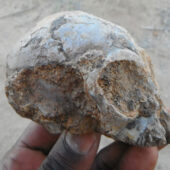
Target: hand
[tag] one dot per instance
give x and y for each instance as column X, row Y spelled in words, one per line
column 37, row 148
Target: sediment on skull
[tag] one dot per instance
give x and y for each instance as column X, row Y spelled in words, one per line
column 126, row 86
column 53, row 90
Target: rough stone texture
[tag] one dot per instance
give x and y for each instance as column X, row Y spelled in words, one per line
column 78, row 72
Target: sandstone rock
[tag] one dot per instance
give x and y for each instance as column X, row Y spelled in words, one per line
column 79, row 72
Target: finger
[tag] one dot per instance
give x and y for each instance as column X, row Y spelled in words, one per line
column 36, row 137
column 32, row 146
column 108, row 157
column 72, row 152
column 22, row 158
column 139, row 158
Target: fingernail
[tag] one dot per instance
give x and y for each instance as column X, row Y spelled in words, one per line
column 81, row 144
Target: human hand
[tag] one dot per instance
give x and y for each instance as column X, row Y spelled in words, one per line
column 37, row 148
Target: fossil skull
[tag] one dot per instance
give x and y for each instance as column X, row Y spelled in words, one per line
column 79, row 72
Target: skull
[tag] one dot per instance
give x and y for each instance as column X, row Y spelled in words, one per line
column 78, row 72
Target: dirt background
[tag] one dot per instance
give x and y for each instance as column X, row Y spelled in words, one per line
column 148, row 21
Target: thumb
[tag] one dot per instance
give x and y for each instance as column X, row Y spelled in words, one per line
column 72, row 152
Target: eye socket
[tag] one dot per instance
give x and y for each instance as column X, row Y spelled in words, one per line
column 126, row 86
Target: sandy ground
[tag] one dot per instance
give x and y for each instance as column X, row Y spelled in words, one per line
column 147, row 20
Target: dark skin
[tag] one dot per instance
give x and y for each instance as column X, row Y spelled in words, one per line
column 37, row 148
